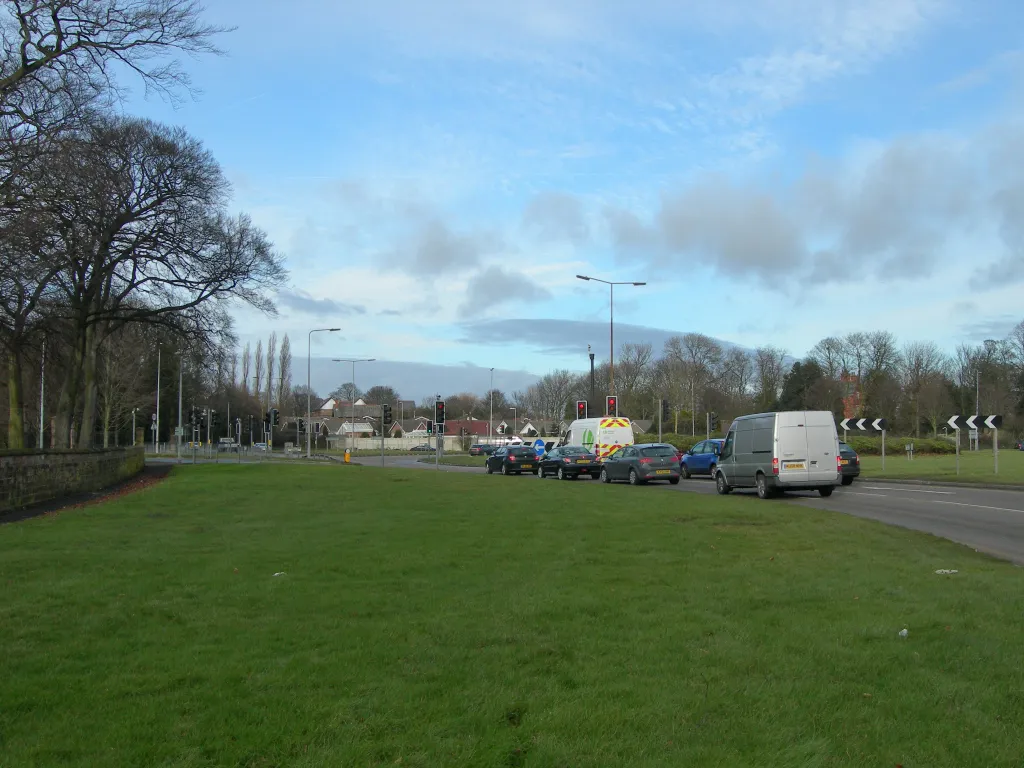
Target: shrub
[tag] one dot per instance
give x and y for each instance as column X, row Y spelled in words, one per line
column 872, row 446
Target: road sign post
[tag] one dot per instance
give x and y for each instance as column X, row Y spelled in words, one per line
column 974, row 424
column 883, row 450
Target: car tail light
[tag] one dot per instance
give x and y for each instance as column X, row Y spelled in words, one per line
column 856, row 459
column 567, row 461
column 839, row 463
column 775, row 466
column 677, row 458
column 511, row 458
column 646, row 460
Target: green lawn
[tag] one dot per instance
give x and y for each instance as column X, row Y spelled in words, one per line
column 975, row 466
column 457, row 460
column 464, row 620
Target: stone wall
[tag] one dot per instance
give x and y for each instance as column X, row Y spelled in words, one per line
column 34, row 477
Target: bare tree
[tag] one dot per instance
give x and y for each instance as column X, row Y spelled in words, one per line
column 271, row 364
column 233, row 368
column 769, row 371
column 830, row 356
column 284, row 371
column 698, row 358
column 258, row 369
column 246, row 364
column 919, row 364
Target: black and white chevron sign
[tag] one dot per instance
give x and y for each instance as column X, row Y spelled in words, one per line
column 864, row 425
column 975, row 422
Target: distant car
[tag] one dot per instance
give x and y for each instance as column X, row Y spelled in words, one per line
column 568, row 463
column 641, row 464
column 849, row 462
column 702, row 459
column 1020, row 445
column 512, row 460
column 480, row 449
column 422, row 448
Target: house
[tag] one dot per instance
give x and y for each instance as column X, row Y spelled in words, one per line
column 337, row 429
column 409, row 427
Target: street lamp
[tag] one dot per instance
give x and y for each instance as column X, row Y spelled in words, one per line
column 352, row 360
column 611, row 323
column 309, row 405
column 490, row 417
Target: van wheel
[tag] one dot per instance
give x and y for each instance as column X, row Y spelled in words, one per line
column 685, row 470
column 721, row 486
column 847, row 480
column 826, row 491
column 763, row 491
column 604, row 476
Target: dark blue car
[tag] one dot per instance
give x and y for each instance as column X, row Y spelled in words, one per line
column 702, row 459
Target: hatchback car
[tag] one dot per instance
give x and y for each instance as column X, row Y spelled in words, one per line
column 480, row 449
column 702, row 459
column 849, row 462
column 512, row 460
column 422, row 447
column 568, row 463
column 640, row 464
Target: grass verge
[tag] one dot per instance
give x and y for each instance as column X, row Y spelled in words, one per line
column 421, row 621
column 975, row 467
column 457, row 461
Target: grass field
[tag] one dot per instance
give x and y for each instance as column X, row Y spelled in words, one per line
column 975, row 467
column 457, row 460
column 426, row 620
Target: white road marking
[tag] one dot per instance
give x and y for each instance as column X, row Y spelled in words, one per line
column 909, row 490
column 978, row 506
column 876, row 495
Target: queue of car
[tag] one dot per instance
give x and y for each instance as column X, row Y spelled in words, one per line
column 771, row 452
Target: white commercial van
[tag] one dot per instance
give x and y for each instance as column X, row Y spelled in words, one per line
column 774, row 452
column 602, row 435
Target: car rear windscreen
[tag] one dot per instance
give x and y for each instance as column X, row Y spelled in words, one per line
column 575, row 452
column 658, row 450
column 522, row 452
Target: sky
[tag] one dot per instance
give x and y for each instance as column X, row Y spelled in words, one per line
column 777, row 171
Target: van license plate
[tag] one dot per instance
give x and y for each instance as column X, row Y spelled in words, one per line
column 663, row 471
column 794, row 465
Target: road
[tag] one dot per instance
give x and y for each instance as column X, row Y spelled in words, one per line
column 989, row 520
column 985, row 519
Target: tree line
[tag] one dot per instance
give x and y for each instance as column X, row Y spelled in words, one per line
column 117, row 245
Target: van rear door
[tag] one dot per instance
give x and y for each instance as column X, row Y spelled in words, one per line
column 822, row 446
column 791, row 449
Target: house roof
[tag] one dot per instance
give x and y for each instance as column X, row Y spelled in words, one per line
column 473, row 427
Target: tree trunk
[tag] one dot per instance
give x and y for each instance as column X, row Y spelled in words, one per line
column 90, row 387
column 70, row 394
column 16, row 400
column 106, row 424
column 917, row 417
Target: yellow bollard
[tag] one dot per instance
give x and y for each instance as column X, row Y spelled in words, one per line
column 347, row 456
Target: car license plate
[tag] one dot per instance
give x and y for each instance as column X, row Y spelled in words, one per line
column 527, row 466
column 794, row 465
column 663, row 471
column 582, row 461
column 844, row 462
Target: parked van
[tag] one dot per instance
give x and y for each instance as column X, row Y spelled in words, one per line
column 602, row 436
column 789, row 450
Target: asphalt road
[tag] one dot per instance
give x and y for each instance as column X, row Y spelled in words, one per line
column 988, row 520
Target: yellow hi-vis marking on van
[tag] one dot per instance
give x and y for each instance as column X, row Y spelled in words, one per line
column 614, row 422
column 603, row 449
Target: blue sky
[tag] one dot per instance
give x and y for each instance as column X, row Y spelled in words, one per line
column 437, row 173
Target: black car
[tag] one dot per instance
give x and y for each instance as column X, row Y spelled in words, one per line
column 481, row 449
column 424, row 447
column 850, row 463
column 641, row 464
column 512, row 460
column 568, row 463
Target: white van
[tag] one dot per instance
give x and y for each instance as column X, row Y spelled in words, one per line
column 789, row 450
column 602, row 435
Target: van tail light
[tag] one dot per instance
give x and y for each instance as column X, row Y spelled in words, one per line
column 646, row 460
column 775, row 466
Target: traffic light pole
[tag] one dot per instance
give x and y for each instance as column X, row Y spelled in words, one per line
column 661, row 417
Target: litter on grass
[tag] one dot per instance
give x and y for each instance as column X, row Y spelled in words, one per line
column 280, row 573
column 943, row 571
column 904, row 632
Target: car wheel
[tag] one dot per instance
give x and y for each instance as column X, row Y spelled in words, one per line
column 673, row 480
column 489, row 469
column 763, row 491
column 685, row 470
column 847, row 480
column 604, row 476
column 826, row 491
column 540, row 472
column 711, row 470
column 721, row 485
column 504, row 469
column 560, row 474
column 634, row 478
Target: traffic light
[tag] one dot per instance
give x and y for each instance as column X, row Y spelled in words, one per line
column 714, row 422
column 214, row 419
column 275, row 417
column 300, row 423
column 581, row 409
column 439, row 411
column 385, row 416
column 430, row 427
column 612, row 405
column 250, row 423
column 665, row 411
column 202, row 419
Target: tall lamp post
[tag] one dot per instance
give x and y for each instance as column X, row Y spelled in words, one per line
column 309, row 404
column 353, row 360
column 490, row 416
column 156, row 421
column 611, row 323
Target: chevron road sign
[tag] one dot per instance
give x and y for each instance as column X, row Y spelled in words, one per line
column 865, row 425
column 975, row 422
